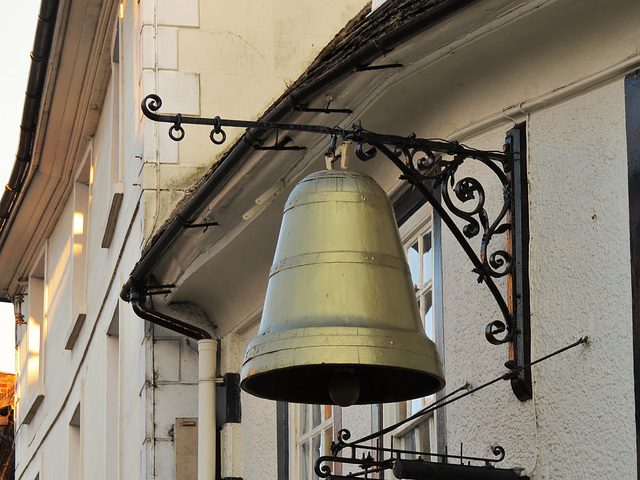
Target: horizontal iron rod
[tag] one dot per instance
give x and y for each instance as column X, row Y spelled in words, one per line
column 152, row 104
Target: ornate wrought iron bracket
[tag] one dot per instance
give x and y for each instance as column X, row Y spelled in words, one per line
column 436, row 164
column 370, row 465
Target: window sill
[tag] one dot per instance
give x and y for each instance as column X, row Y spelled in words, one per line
column 114, row 211
column 74, row 331
column 34, row 405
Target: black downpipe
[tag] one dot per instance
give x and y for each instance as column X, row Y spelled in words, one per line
column 165, row 321
column 370, row 52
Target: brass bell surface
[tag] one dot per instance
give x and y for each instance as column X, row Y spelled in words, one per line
column 340, row 323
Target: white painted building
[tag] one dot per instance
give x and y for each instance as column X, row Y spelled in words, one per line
column 104, row 206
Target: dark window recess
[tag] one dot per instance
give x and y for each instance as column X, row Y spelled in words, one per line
column 408, row 203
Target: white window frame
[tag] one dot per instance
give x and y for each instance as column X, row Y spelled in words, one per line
column 325, row 431
column 79, row 246
column 420, row 433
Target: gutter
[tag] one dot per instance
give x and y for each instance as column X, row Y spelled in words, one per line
column 298, row 93
column 163, row 320
column 35, row 85
column 207, row 364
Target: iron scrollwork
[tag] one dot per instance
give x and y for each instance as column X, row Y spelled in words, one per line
column 369, row 465
column 430, row 165
column 427, row 172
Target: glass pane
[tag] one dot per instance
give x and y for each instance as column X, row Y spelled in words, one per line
column 316, row 452
column 416, row 404
column 413, row 258
column 304, row 419
column 426, row 309
column 327, row 412
column 409, row 442
column 305, row 470
column 402, row 410
column 427, row 257
column 326, row 440
column 424, row 444
column 317, row 415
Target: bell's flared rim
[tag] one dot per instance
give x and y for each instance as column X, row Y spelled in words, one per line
column 297, row 365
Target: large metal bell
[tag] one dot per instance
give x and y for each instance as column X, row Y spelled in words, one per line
column 340, row 323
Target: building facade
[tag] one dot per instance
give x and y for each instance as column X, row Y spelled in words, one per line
column 105, row 210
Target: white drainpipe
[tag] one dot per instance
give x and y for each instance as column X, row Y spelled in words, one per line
column 207, row 349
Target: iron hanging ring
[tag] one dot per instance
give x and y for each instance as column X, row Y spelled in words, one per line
column 176, row 132
column 217, row 130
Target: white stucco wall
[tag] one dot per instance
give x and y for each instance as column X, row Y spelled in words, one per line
column 581, row 285
column 580, row 422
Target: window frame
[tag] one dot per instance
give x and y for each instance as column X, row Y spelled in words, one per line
column 327, row 428
column 415, row 218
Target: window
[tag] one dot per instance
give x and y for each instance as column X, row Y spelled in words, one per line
column 115, row 173
column 419, row 240
column 32, row 367
column 417, row 235
column 312, row 434
column 79, row 245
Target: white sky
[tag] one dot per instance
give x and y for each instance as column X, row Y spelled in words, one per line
column 16, row 38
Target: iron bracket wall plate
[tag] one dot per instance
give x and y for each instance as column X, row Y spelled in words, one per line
column 428, row 164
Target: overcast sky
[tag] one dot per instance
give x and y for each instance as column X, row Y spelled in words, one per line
column 16, row 37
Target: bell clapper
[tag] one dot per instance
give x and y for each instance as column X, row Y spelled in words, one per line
column 344, row 387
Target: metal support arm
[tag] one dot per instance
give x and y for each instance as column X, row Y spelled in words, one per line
column 428, row 164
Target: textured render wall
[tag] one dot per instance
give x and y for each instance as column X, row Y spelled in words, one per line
column 581, row 285
column 207, row 58
column 580, row 423
column 492, row 416
column 249, row 449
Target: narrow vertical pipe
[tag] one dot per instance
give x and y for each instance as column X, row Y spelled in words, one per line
column 207, row 349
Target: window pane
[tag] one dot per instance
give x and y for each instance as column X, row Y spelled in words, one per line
column 427, row 257
column 316, row 452
column 413, row 258
column 426, row 309
column 327, row 439
column 402, row 410
column 424, row 444
column 327, row 412
column 304, row 422
column 416, row 404
column 305, row 470
column 317, row 415
column 409, row 442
